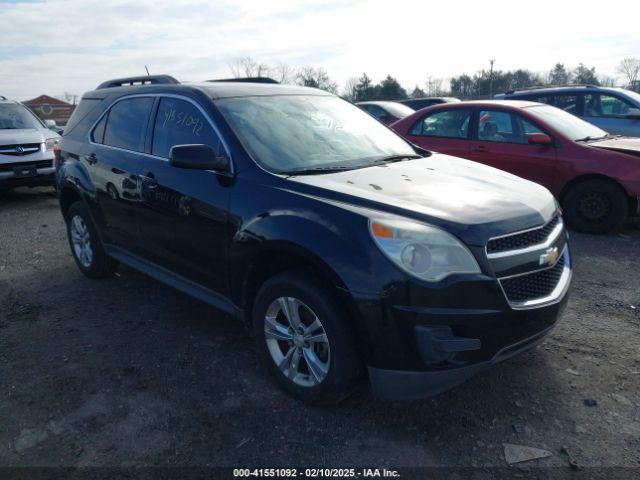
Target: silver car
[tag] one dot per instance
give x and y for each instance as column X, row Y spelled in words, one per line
column 615, row 110
column 26, row 148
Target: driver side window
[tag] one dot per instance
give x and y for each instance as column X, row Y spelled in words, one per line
column 179, row 122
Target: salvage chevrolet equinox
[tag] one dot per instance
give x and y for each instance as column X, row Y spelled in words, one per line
column 345, row 248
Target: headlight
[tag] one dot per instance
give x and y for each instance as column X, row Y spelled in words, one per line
column 49, row 143
column 421, row 250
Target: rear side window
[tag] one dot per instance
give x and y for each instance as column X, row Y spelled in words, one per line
column 127, row 123
column 84, row 108
column 98, row 133
column 447, row 123
column 179, row 122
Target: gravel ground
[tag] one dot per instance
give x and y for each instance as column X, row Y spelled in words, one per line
column 129, row 372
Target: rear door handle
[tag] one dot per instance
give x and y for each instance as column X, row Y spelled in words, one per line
column 91, row 159
column 480, row 149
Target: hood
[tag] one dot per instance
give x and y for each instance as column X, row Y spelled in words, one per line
column 21, row 136
column 472, row 200
column 628, row 145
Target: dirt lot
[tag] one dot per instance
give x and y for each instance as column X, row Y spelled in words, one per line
column 126, row 371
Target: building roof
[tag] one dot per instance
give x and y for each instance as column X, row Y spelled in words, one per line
column 45, row 100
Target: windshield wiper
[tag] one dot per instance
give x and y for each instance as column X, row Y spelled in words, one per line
column 316, row 170
column 396, row 158
column 589, row 138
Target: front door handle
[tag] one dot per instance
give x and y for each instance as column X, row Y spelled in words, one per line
column 480, row 149
column 150, row 181
column 91, row 159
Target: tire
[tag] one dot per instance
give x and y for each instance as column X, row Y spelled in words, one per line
column 81, row 232
column 327, row 368
column 595, row 206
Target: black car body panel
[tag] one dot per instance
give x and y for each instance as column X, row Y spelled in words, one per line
column 208, row 232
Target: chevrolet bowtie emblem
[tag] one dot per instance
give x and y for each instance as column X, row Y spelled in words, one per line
column 549, row 257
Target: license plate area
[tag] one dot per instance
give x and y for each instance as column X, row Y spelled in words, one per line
column 22, row 172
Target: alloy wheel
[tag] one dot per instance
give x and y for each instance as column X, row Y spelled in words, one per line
column 297, row 341
column 81, row 241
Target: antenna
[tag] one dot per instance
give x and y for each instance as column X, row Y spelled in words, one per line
column 148, row 74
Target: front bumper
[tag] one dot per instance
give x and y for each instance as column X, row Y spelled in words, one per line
column 35, row 171
column 427, row 340
column 409, row 385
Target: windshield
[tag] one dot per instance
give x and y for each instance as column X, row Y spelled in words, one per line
column 288, row 133
column 633, row 95
column 14, row 117
column 398, row 110
column 565, row 123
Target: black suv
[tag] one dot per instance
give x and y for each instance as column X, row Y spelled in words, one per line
column 344, row 247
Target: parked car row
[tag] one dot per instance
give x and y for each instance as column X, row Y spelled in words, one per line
column 595, row 176
column 615, row 110
column 347, row 249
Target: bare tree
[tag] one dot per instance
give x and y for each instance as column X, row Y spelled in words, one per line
column 283, row 73
column 630, row 68
column 248, row 67
column 317, row 78
column 350, row 90
column 434, row 87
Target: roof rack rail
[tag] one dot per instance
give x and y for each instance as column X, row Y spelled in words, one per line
column 567, row 85
column 246, row 80
column 142, row 80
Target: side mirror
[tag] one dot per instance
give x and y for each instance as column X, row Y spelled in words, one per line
column 197, row 157
column 539, row 139
column 633, row 113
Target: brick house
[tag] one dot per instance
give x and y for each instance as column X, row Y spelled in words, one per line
column 49, row 108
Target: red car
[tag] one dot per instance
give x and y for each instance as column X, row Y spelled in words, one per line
column 595, row 176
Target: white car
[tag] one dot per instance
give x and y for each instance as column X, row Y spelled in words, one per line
column 26, row 148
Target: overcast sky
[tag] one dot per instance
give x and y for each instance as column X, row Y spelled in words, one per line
column 56, row 46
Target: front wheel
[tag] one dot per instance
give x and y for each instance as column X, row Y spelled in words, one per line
column 595, row 206
column 305, row 338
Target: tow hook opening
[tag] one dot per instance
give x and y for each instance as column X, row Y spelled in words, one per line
column 438, row 344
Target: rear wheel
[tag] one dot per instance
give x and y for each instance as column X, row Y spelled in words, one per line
column 85, row 244
column 595, row 206
column 304, row 337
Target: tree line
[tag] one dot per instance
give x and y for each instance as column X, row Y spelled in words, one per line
column 482, row 84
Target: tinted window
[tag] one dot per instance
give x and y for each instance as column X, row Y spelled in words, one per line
column 98, row 132
column 599, row 105
column 505, row 127
column 447, row 123
column 127, row 123
column 375, row 110
column 179, row 122
column 86, row 106
column 568, row 103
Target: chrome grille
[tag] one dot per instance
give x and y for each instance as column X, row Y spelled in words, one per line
column 533, row 286
column 19, row 150
column 533, row 267
column 522, row 240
